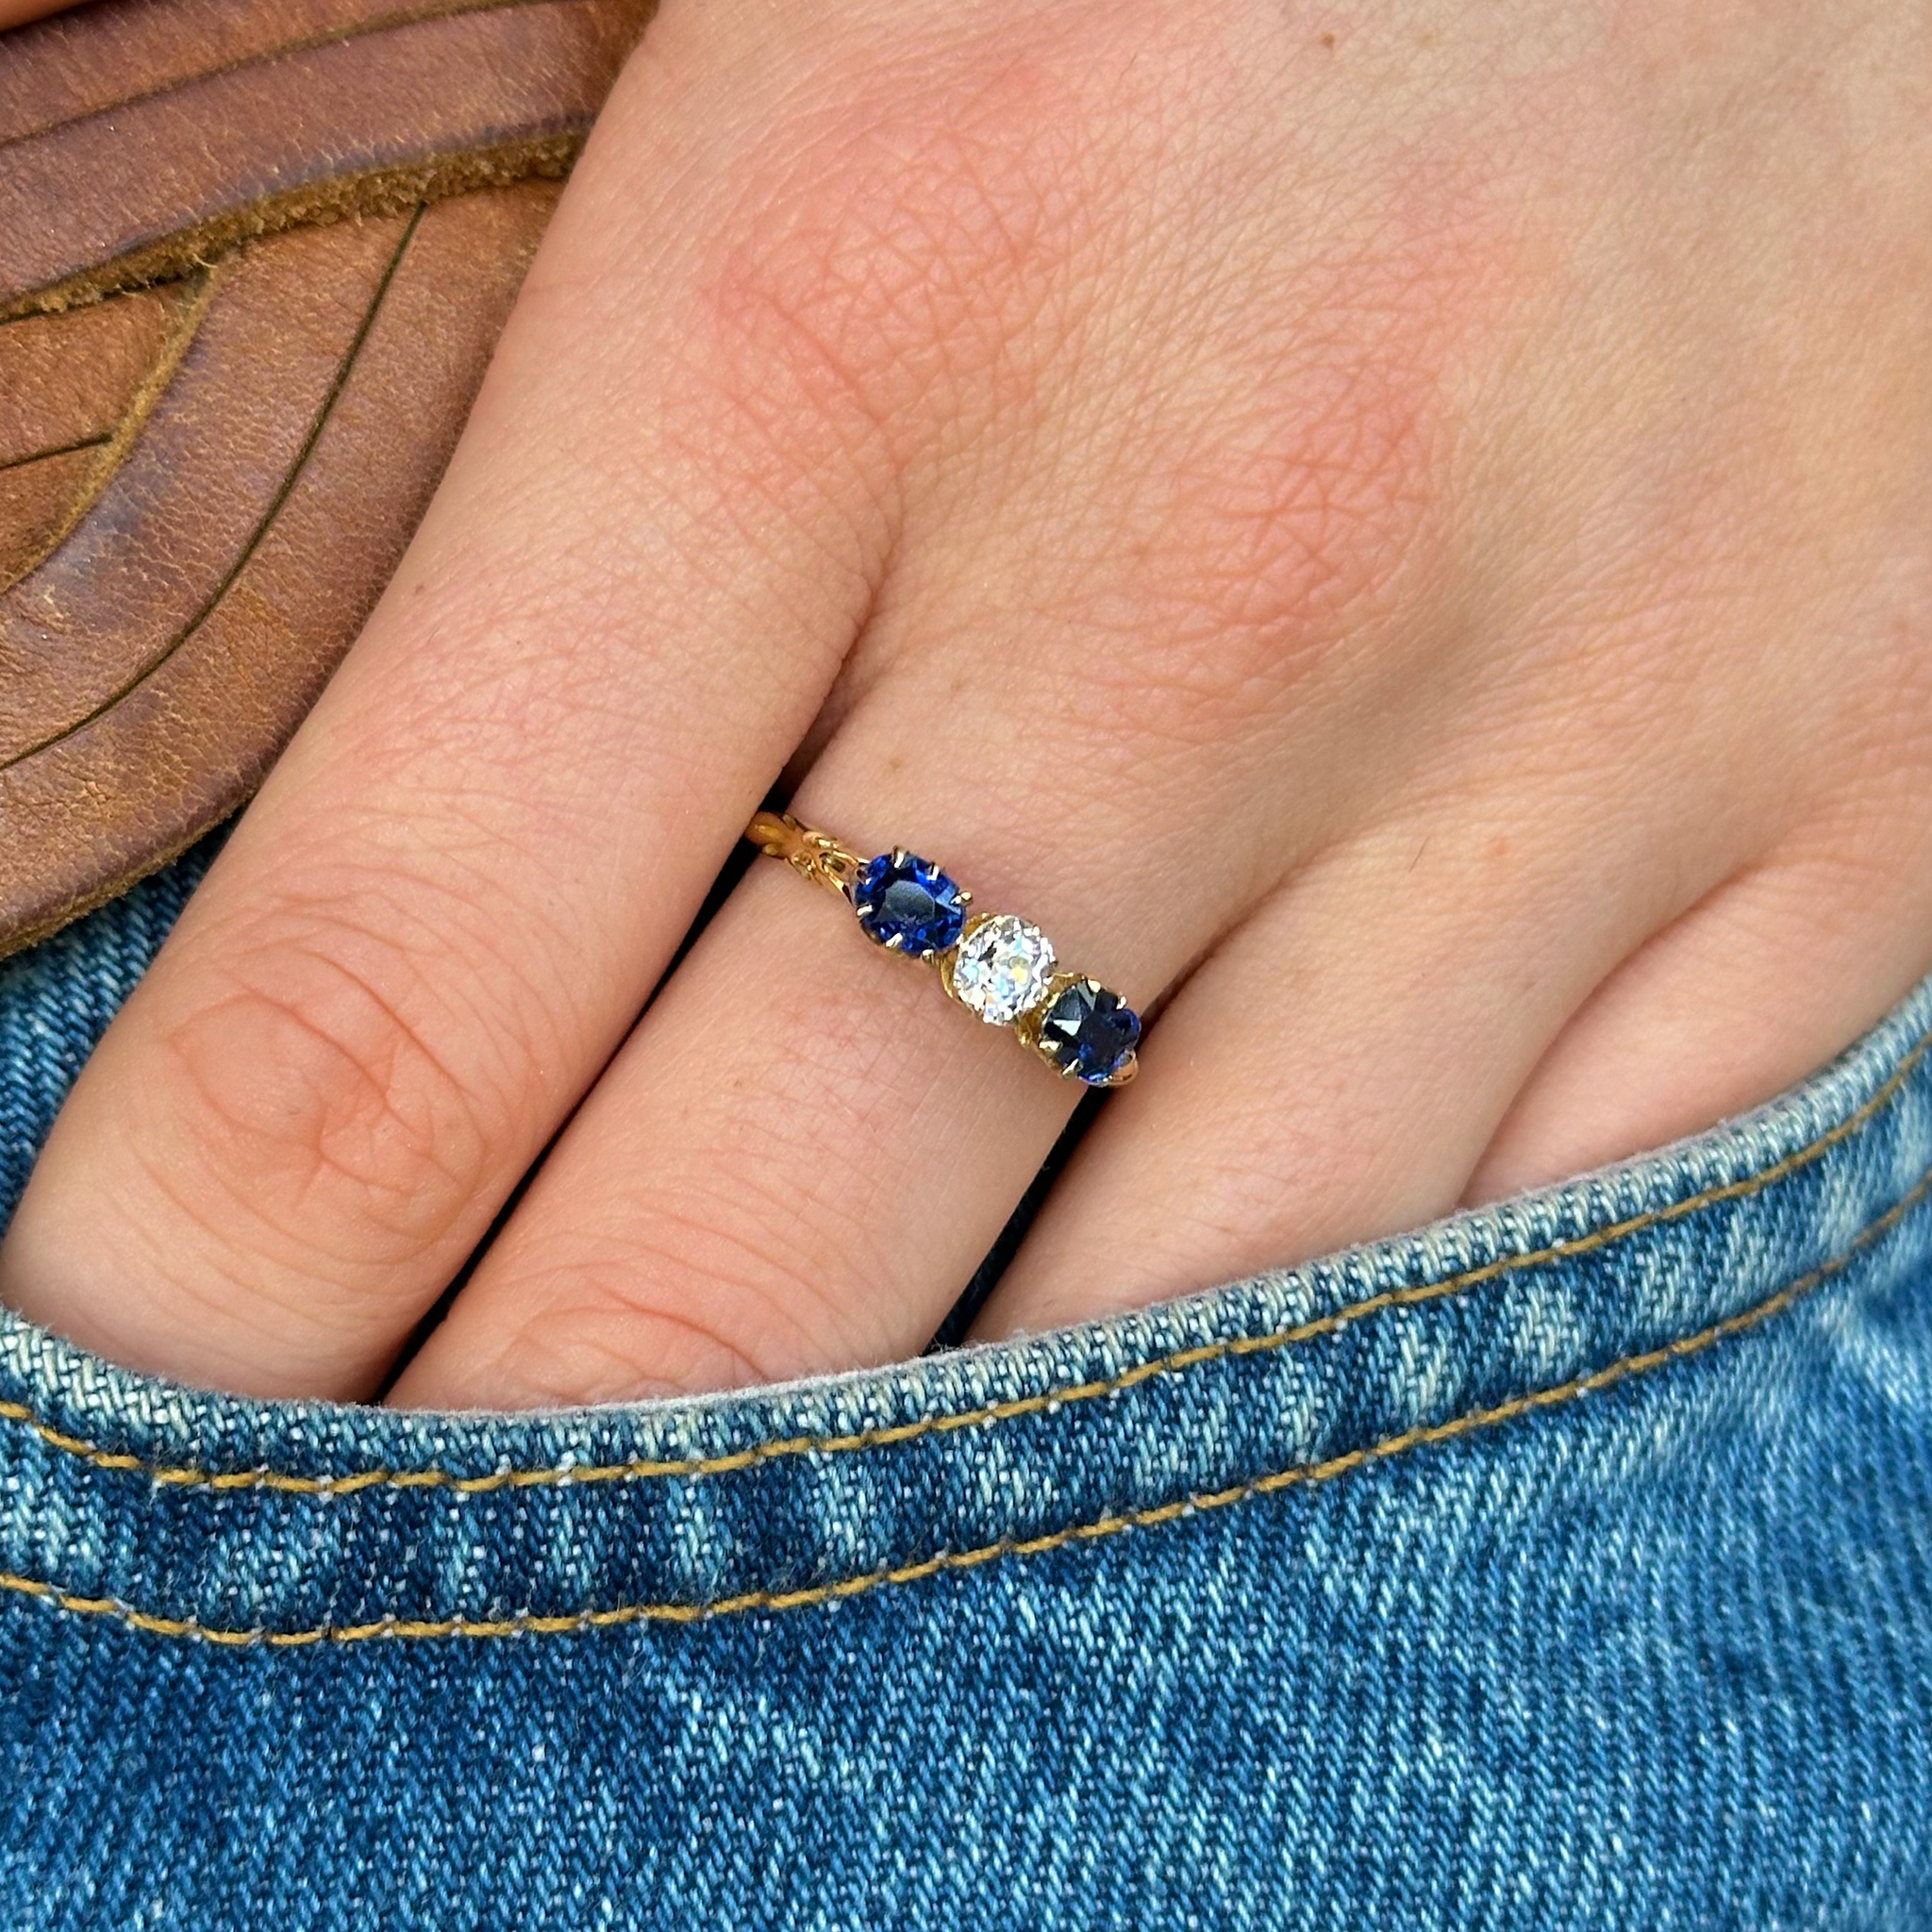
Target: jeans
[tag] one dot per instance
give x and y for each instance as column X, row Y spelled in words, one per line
column 1563, row 1564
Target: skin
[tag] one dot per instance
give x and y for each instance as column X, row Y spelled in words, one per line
column 1396, row 533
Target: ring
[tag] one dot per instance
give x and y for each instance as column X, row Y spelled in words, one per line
column 995, row 964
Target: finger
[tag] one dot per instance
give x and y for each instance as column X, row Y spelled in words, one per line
column 1753, row 989
column 804, row 1151
column 1074, row 699
column 447, row 904
column 1340, row 1068
column 795, row 1163
column 1336, row 1069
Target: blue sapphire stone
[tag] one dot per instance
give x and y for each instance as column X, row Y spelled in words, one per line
column 903, row 898
column 1090, row 1031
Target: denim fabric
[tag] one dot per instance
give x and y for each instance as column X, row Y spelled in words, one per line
column 1565, row 1564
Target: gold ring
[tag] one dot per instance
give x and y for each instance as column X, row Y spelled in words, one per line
column 995, row 964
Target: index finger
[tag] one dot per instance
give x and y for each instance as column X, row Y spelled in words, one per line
column 446, row 907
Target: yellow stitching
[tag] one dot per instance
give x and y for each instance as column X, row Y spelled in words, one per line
column 1182, row 1358
column 1303, row 1475
column 641, row 1469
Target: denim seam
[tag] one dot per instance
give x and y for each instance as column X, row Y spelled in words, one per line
column 1297, row 1475
column 643, row 1469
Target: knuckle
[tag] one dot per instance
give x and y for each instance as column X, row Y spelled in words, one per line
column 1297, row 513
column 1278, row 531
column 604, row 1345
column 896, row 242
column 680, row 1302
column 747, row 1257
column 315, row 1106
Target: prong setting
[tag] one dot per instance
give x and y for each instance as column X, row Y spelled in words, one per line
column 908, row 905
column 997, row 965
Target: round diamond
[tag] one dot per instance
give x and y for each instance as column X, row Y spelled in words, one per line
column 1002, row 967
column 1090, row 1031
column 908, row 903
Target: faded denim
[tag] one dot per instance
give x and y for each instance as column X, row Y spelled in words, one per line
column 1567, row 1564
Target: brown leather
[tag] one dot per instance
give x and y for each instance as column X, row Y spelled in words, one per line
column 253, row 259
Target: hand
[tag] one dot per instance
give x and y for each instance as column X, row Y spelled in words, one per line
column 1397, row 531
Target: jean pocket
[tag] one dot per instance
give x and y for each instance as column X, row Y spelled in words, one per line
column 1566, row 1562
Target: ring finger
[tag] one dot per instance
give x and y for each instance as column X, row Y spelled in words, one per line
column 802, row 1153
